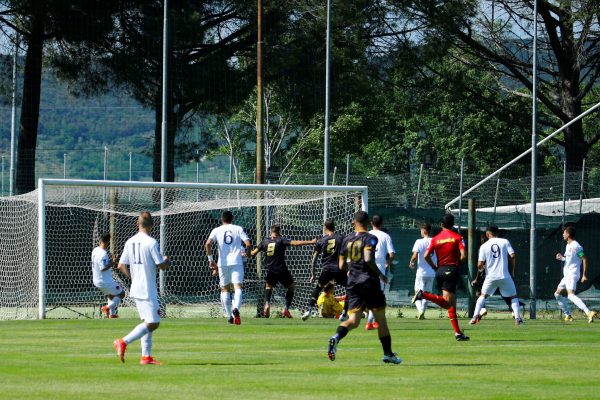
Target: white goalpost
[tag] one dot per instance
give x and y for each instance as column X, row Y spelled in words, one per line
column 47, row 236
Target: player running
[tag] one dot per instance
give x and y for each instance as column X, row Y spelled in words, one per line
column 573, row 258
column 384, row 254
column 449, row 248
column 425, row 274
column 142, row 254
column 103, row 278
column 495, row 255
column 364, row 287
column 329, row 248
column 276, row 270
column 230, row 263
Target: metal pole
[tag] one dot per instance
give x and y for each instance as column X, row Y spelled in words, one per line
column 41, row 249
column 419, row 186
column 130, row 165
column 462, row 173
column 197, row 173
column 258, row 173
column 581, row 186
column 327, row 94
column 164, row 133
column 347, row 168
column 472, row 253
column 532, row 236
column 65, row 176
column 2, row 176
column 496, row 199
column 13, row 118
column 105, row 162
column 564, row 192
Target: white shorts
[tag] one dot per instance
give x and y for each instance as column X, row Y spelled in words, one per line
column 568, row 282
column 506, row 286
column 231, row 274
column 148, row 310
column 111, row 288
column 424, row 283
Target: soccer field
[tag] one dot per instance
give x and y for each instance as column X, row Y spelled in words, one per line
column 286, row 359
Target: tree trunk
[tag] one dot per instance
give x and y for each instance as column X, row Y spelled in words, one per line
column 30, row 108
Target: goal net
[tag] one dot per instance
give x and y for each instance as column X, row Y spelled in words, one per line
column 47, row 236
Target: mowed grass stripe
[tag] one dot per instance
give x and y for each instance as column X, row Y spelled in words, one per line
column 286, row 359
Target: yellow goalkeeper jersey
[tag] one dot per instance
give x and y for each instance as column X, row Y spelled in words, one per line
column 330, row 307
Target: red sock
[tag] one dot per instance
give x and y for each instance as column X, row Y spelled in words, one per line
column 453, row 319
column 439, row 300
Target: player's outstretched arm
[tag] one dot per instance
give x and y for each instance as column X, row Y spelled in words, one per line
column 254, row 251
column 302, row 242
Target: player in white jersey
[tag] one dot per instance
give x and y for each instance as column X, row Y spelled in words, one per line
column 425, row 274
column 573, row 259
column 494, row 256
column 142, row 254
column 103, row 279
column 384, row 254
column 230, row 263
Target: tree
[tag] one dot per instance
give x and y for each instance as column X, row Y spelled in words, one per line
column 496, row 36
column 40, row 23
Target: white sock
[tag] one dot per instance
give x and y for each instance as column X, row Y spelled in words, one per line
column 562, row 304
column 479, row 305
column 237, row 298
column 516, row 307
column 226, row 301
column 419, row 306
column 579, row 303
column 112, row 304
column 146, row 341
column 136, row 333
column 371, row 317
column 423, row 306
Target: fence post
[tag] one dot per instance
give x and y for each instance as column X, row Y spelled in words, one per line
column 472, row 254
column 564, row 193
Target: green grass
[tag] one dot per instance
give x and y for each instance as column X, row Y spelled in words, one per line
column 286, row 359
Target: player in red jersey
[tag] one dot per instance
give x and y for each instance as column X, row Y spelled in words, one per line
column 450, row 250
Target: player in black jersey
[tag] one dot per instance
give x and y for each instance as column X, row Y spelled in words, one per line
column 364, row 287
column 329, row 249
column 276, row 270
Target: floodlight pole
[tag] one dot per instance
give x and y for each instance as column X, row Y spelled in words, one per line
column 164, row 133
column 532, row 235
column 327, row 94
column 13, row 117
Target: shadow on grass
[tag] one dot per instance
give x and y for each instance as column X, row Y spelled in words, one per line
column 228, row 364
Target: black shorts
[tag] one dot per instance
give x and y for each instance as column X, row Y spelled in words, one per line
column 340, row 277
column 284, row 277
column 446, row 278
column 365, row 295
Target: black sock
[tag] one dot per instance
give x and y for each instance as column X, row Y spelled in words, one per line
column 341, row 332
column 386, row 343
column 268, row 294
column 289, row 296
column 313, row 299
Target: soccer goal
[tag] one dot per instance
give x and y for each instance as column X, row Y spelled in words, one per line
column 47, row 236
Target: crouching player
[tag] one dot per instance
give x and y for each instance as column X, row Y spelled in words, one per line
column 364, row 288
column 103, row 279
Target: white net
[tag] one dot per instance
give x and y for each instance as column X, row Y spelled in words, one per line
column 77, row 215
